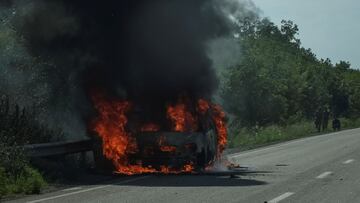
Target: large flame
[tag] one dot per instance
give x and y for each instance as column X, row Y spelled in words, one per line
column 110, row 126
column 218, row 115
column 181, row 117
column 219, row 119
column 118, row 143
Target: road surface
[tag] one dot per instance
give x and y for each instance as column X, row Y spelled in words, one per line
column 324, row 168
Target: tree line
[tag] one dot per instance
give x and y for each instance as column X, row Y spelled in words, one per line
column 277, row 81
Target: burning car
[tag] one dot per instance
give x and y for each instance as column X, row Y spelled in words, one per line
column 190, row 138
column 177, row 149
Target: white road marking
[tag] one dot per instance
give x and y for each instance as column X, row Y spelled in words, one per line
column 323, row 175
column 348, row 161
column 86, row 190
column 71, row 189
column 281, row 197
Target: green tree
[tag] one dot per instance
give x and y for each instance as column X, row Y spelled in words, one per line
column 278, row 81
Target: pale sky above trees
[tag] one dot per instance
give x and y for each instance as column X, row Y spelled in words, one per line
column 331, row 28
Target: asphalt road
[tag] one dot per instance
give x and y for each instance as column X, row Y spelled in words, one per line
column 324, row 168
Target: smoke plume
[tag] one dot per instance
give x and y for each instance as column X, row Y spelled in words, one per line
column 148, row 51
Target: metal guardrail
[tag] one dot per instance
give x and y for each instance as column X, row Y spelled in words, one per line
column 58, row 148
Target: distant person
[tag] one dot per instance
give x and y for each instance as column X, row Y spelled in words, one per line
column 325, row 120
column 318, row 119
column 336, row 124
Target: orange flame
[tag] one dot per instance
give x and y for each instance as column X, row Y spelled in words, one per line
column 219, row 119
column 203, row 106
column 168, row 148
column 181, row 118
column 110, row 125
column 118, row 143
column 150, row 127
column 177, row 115
column 188, row 168
column 164, row 147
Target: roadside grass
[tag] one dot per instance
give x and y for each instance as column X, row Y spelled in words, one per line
column 350, row 123
column 29, row 181
column 245, row 138
column 18, row 127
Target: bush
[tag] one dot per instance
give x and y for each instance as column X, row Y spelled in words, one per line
column 17, row 128
column 29, row 181
column 12, row 159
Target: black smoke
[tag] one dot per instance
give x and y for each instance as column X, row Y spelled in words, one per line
column 143, row 50
column 155, row 47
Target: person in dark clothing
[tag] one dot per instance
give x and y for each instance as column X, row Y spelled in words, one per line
column 318, row 119
column 325, row 121
column 336, row 124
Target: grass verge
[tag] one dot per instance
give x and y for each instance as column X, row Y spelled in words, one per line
column 245, row 138
column 29, row 181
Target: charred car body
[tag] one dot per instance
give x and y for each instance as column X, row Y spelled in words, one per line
column 176, row 149
column 183, row 137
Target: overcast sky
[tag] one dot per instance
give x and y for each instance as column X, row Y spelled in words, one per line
column 331, row 28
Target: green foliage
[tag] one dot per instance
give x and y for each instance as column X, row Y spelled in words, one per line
column 247, row 138
column 349, row 123
column 257, row 136
column 17, row 128
column 29, row 181
column 23, row 82
column 353, row 79
column 279, row 82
